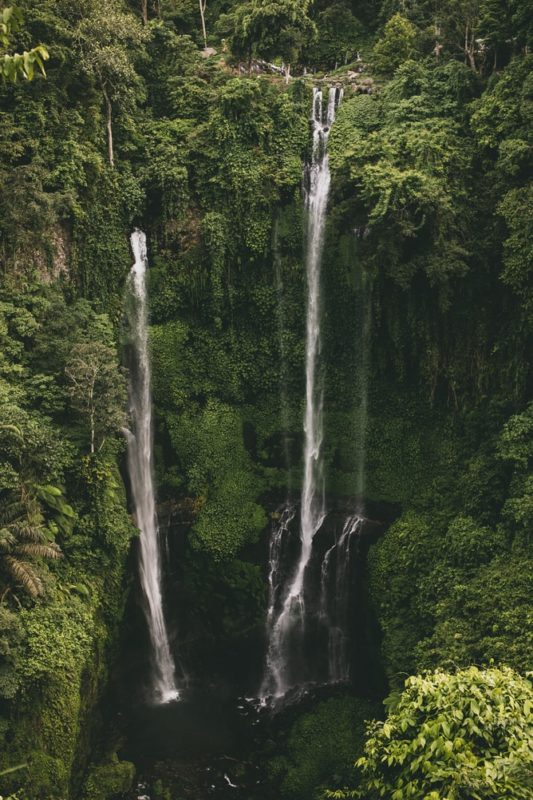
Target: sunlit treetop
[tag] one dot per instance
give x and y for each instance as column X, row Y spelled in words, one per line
column 13, row 66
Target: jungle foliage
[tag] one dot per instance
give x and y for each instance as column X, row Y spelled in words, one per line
column 428, row 241
column 466, row 735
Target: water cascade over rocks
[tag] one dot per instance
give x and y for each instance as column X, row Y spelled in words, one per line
column 288, row 612
column 140, row 462
column 335, row 598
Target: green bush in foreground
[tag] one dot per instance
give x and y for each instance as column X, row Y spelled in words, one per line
column 467, row 736
column 320, row 746
column 109, row 780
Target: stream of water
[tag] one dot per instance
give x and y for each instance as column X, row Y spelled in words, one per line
column 140, row 463
column 286, row 626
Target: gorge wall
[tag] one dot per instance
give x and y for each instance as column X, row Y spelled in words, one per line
column 426, row 324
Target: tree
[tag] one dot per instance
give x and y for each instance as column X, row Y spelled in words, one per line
column 341, row 36
column 269, row 28
column 515, row 208
column 397, row 44
column 97, row 389
column 32, row 511
column 409, row 168
column 107, row 39
column 467, row 736
column 462, row 28
column 496, row 28
column 203, row 6
column 19, row 64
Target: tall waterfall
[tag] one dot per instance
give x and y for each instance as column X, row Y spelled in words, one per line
column 283, row 377
column 287, row 626
column 140, row 461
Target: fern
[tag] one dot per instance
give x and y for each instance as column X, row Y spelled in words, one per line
column 24, row 541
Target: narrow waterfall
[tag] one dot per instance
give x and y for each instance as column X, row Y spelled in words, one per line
column 273, row 682
column 283, row 375
column 140, row 461
column 287, row 627
column 335, row 598
column 364, row 324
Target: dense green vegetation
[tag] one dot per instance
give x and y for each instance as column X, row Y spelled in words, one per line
column 428, row 265
column 461, row 735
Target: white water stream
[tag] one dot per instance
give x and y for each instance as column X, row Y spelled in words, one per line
column 289, row 621
column 140, row 461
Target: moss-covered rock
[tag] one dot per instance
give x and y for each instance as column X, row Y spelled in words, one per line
column 109, row 781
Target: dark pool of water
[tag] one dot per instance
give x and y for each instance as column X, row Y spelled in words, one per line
column 203, row 746
column 214, row 744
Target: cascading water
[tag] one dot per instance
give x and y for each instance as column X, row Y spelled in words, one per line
column 273, row 682
column 335, row 599
column 140, row 462
column 280, row 535
column 286, row 628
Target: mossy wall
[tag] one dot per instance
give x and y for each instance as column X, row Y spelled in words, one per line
column 426, row 314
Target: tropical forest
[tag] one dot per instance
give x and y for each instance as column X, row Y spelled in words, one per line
column 266, row 400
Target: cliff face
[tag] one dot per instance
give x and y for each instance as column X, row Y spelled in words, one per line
column 426, row 323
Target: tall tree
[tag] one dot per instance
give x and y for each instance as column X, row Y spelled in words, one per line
column 397, row 44
column 108, row 38
column 269, row 28
column 97, row 390
column 203, row 6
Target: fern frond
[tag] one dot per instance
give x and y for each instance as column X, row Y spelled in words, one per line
column 39, row 550
column 25, row 531
column 7, row 540
column 25, row 575
column 10, row 511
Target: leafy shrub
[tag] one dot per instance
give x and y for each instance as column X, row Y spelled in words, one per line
column 109, row 781
column 320, row 746
column 465, row 735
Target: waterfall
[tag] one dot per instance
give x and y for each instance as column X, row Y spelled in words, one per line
column 335, row 598
column 140, row 462
column 273, row 682
column 286, row 629
column 283, row 377
column 336, row 565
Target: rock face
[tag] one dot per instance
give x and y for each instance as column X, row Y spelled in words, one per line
column 207, row 52
column 353, row 81
column 52, row 259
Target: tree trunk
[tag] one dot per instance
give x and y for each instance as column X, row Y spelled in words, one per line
column 144, row 11
column 91, row 416
column 109, row 128
column 470, row 44
column 203, row 4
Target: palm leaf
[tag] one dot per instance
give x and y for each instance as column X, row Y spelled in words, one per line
column 39, row 550
column 10, row 511
column 7, row 540
column 24, row 574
